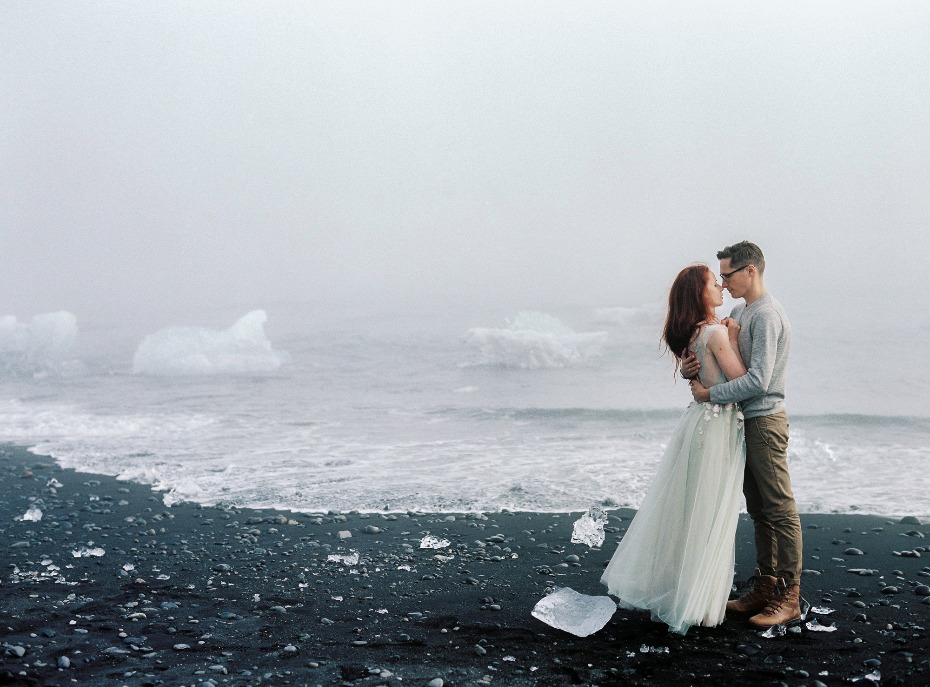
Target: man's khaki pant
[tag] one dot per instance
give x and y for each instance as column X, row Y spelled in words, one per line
column 769, row 499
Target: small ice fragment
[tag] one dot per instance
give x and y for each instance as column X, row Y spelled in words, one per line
column 382, row 611
column 805, row 608
column 431, row 542
column 54, row 483
column 350, row 559
column 646, row 649
column 774, row 631
column 822, row 610
column 33, row 514
column 84, row 552
column 129, row 566
column 589, row 528
column 403, row 567
column 578, row 614
column 444, row 559
column 509, row 658
column 875, row 676
column 815, row 626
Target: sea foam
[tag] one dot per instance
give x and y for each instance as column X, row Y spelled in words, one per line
column 38, row 348
column 535, row 340
column 241, row 349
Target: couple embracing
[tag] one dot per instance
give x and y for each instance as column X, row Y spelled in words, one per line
column 677, row 557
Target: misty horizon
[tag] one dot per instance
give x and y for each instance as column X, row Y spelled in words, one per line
column 163, row 159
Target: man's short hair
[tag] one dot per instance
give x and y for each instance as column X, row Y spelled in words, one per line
column 742, row 254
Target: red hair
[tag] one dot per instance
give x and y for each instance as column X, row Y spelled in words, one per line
column 687, row 309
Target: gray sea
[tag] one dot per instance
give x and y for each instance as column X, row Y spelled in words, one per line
column 314, row 408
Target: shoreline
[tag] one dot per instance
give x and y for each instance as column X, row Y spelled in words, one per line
column 197, row 595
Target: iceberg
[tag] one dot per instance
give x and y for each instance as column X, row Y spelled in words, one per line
column 589, row 528
column 575, row 613
column 535, row 340
column 38, row 348
column 241, row 349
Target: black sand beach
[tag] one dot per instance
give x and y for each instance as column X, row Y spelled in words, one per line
column 190, row 595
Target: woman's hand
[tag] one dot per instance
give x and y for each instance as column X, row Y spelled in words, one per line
column 690, row 366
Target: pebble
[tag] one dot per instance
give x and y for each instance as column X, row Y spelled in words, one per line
column 480, row 650
column 922, row 590
column 909, row 520
column 222, row 567
column 64, row 662
column 181, row 647
column 370, row 529
column 436, row 682
column 851, row 551
column 890, row 589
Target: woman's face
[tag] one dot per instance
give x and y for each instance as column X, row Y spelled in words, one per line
column 713, row 292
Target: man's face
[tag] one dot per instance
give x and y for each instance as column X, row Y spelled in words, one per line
column 735, row 280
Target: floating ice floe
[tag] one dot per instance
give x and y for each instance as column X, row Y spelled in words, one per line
column 431, row 542
column 589, row 528
column 241, row 349
column 350, row 559
column 578, row 614
column 84, row 552
column 38, row 348
column 535, row 340
column 34, row 514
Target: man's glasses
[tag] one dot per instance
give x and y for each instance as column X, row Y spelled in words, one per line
column 726, row 277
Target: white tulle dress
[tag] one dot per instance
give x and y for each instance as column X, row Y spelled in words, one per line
column 676, row 560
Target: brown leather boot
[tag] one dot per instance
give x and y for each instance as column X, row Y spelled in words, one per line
column 784, row 608
column 757, row 598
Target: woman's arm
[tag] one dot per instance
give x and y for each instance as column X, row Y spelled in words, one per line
column 725, row 348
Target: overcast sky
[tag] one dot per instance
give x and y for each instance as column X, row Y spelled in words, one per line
column 161, row 156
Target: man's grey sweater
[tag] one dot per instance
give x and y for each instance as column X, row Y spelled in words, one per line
column 764, row 344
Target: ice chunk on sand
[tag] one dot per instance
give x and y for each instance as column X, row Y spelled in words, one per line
column 350, row 559
column 431, row 542
column 579, row 614
column 815, row 626
column 589, row 528
column 241, row 349
column 84, row 552
column 33, row 514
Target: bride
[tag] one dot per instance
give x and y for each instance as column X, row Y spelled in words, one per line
column 676, row 559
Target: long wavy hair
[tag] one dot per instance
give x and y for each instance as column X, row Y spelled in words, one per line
column 687, row 310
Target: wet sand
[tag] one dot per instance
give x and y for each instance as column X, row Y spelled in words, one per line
column 192, row 595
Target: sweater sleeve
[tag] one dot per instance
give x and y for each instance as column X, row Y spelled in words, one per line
column 765, row 328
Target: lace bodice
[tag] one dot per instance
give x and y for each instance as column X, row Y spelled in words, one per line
column 710, row 373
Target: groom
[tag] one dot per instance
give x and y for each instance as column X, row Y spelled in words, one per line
column 764, row 343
